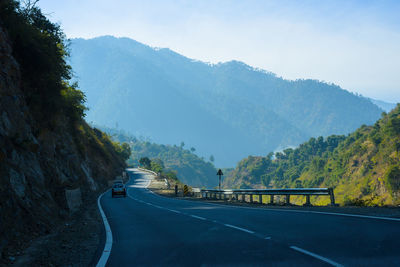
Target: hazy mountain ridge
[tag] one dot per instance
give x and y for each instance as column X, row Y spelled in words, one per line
column 230, row 109
column 386, row 106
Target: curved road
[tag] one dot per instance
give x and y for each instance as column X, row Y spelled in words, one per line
column 148, row 229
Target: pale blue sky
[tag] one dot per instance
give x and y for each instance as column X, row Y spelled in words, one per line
column 355, row 44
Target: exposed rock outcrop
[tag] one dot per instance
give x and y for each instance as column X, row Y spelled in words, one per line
column 45, row 173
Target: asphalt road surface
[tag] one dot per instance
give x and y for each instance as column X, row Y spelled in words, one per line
column 148, row 229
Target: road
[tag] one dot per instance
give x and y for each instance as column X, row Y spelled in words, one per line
column 148, row 229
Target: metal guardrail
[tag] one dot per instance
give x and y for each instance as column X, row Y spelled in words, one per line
column 233, row 194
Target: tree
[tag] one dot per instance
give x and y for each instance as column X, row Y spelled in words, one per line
column 192, row 149
column 212, row 158
column 156, row 166
column 145, row 162
column 182, row 144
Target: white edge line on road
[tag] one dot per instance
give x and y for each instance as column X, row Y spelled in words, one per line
column 316, row 256
column 239, row 228
column 109, row 239
column 176, row 211
column 198, row 217
column 281, row 210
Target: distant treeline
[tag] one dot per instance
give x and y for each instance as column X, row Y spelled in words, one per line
column 172, row 159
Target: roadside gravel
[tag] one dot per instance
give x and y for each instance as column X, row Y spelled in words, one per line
column 74, row 243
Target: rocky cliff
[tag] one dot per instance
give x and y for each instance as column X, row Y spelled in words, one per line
column 46, row 171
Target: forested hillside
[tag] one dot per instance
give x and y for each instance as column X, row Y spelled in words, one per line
column 363, row 167
column 229, row 110
column 51, row 162
column 188, row 167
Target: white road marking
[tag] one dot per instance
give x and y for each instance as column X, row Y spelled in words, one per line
column 198, row 217
column 239, row 228
column 108, row 245
column 331, row 262
column 298, row 211
column 268, row 238
column 176, row 211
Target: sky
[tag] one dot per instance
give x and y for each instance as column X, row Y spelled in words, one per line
column 354, row 44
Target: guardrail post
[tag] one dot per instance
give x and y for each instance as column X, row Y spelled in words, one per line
column 271, row 199
column 243, row 197
column 332, row 197
column 308, row 202
column 287, row 199
column 260, row 199
column 251, row 198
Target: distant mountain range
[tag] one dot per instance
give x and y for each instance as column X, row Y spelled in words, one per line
column 228, row 110
column 386, row 106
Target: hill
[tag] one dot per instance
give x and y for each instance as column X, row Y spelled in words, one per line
column 229, row 110
column 386, row 106
column 363, row 167
column 51, row 162
column 189, row 168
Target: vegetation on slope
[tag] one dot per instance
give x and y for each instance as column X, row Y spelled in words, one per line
column 363, row 167
column 172, row 159
column 47, row 150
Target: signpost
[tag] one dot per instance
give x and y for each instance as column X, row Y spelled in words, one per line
column 219, row 173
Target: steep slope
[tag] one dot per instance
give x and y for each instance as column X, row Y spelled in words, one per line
column 229, row 109
column 51, row 161
column 188, row 167
column 364, row 167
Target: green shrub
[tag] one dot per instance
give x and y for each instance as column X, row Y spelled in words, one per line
column 392, row 178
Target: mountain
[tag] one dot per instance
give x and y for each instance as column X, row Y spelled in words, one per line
column 363, row 167
column 229, row 110
column 386, row 106
column 52, row 164
column 188, row 167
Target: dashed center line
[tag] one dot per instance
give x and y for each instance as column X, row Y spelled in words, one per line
column 239, row 228
column 244, row 230
column 331, row 262
column 176, row 211
column 198, row 217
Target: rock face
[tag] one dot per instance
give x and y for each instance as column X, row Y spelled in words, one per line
column 45, row 174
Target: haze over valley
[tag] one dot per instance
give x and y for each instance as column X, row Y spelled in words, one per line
column 229, row 110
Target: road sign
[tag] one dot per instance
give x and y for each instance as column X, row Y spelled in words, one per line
column 185, row 190
column 219, row 173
